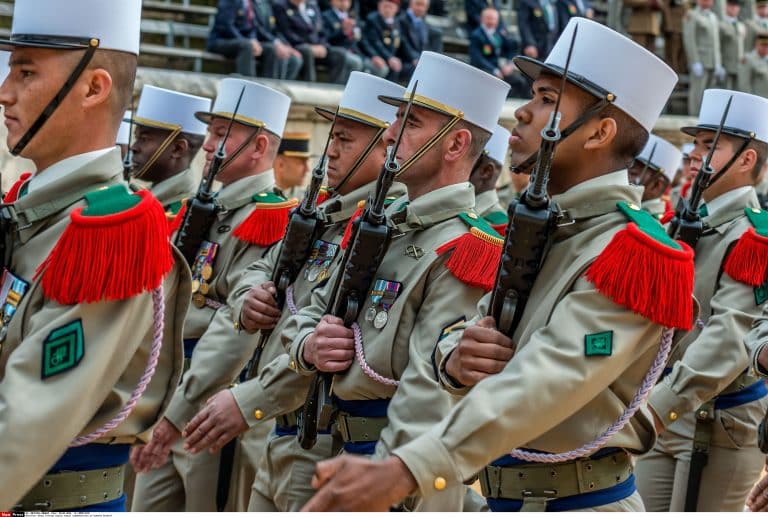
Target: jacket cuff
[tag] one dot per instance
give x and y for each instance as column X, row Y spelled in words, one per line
column 255, row 403
column 759, row 370
column 430, row 464
column 296, row 352
column 667, row 404
column 179, row 412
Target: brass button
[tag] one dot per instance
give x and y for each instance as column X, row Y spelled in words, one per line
column 755, row 210
column 259, row 414
column 440, row 483
column 293, row 365
column 703, row 414
column 634, row 207
column 672, row 416
column 472, row 215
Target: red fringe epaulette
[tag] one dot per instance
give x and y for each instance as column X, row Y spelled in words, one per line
column 647, row 272
column 350, row 224
column 267, row 222
column 174, row 223
column 323, row 196
column 13, row 194
column 476, row 254
column 748, row 260
column 114, row 249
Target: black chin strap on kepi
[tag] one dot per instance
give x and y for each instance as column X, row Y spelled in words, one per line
column 576, row 124
column 90, row 50
column 746, row 140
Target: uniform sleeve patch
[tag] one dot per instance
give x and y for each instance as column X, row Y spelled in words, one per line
column 452, row 327
column 600, row 343
column 63, row 349
column 761, row 294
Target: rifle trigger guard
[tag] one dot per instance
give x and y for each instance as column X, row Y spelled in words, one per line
column 350, row 314
column 508, row 309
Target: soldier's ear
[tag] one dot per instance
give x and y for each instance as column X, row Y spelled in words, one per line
column 99, row 87
column 602, row 134
column 457, row 145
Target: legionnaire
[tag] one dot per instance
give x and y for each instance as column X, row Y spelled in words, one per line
column 581, row 350
column 673, row 13
column 709, row 402
column 757, row 23
column 653, row 169
column 753, row 72
column 355, row 157
column 292, row 164
column 167, row 139
column 93, row 293
column 484, row 176
column 252, row 218
column 644, row 23
column 701, row 37
column 733, row 35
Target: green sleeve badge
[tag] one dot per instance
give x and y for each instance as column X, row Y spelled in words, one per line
column 761, row 294
column 600, row 343
column 63, row 349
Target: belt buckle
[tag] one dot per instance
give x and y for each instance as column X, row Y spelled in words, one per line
column 341, row 424
column 538, row 503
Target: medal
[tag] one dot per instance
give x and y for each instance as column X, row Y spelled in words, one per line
column 370, row 314
column 319, row 261
column 198, row 300
column 206, row 272
column 205, row 287
column 312, row 274
column 381, row 319
column 323, row 275
column 195, row 286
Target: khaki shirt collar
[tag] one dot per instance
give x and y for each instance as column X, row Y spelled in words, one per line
column 729, row 206
column 175, row 188
column 485, row 201
column 65, row 167
column 598, row 196
column 435, row 207
column 239, row 193
column 341, row 206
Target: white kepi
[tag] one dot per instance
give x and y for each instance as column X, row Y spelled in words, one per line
column 167, row 109
column 497, row 146
column 747, row 117
column 260, row 107
column 611, row 67
column 124, row 133
column 661, row 156
column 360, row 100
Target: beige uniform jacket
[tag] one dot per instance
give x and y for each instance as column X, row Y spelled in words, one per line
column 709, row 358
column 656, row 207
column 172, row 191
column 753, row 74
column 277, row 389
column 732, row 38
column 701, row 37
column 551, row 396
column 221, row 352
column 487, row 203
column 756, row 340
column 40, row 417
column 430, row 302
column 643, row 19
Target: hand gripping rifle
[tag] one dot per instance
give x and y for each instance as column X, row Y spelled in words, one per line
column 366, row 250
column 686, row 225
column 202, row 209
column 304, row 227
column 531, row 222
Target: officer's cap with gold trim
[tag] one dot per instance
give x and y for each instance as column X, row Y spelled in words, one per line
column 666, row 156
column 497, row 146
column 295, row 144
column 124, row 133
column 74, row 23
column 456, row 89
column 747, row 116
column 609, row 65
column 166, row 109
column 360, row 100
column 261, row 106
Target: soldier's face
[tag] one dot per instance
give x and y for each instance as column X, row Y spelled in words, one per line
column 291, row 170
column 419, row 7
column 348, row 141
column 762, row 48
column 146, row 141
column 705, row 4
column 341, row 5
column 489, row 18
column 241, row 165
column 734, row 177
column 36, row 75
column 421, row 125
column 732, row 10
column 387, row 9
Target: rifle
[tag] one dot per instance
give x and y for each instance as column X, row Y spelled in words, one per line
column 202, row 209
column 366, row 250
column 532, row 220
column 128, row 158
column 304, row 226
column 686, row 225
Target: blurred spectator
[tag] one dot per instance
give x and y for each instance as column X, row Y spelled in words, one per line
column 674, row 53
column 733, row 33
column 753, row 73
column 243, row 31
column 644, row 23
column 473, row 9
column 567, row 9
column 418, row 36
column 382, row 39
column 757, row 24
column 491, row 50
column 538, row 26
column 701, row 36
column 301, row 24
column 343, row 31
